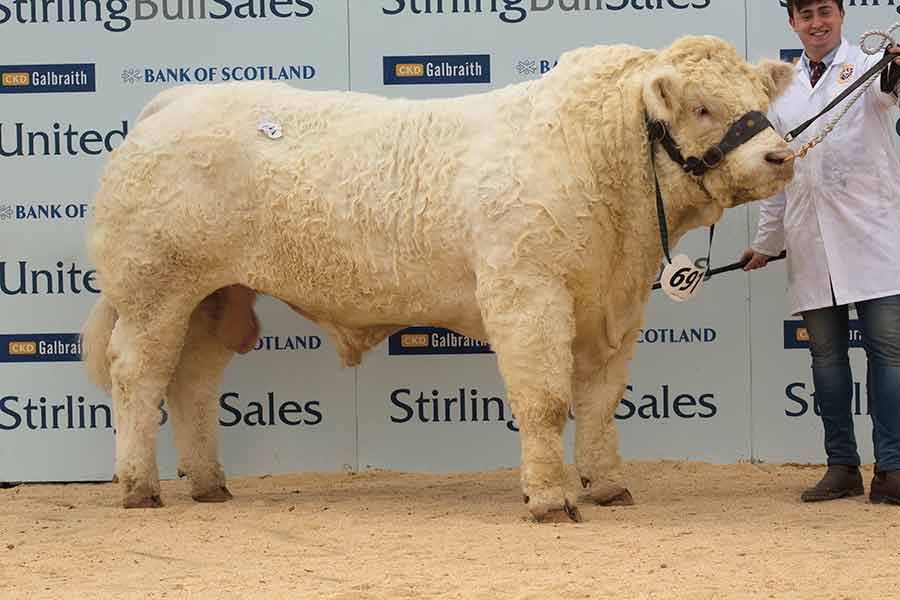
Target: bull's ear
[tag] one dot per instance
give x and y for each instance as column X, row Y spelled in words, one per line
column 662, row 93
column 776, row 76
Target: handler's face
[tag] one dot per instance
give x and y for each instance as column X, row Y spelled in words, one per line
column 819, row 27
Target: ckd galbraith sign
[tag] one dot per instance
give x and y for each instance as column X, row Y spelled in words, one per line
column 73, row 79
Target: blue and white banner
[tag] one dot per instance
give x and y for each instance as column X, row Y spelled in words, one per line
column 48, row 79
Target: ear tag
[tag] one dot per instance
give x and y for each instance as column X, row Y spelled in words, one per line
column 270, row 129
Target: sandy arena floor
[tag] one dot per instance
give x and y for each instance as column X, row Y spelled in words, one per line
column 698, row 531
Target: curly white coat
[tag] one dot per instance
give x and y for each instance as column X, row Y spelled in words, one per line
column 524, row 217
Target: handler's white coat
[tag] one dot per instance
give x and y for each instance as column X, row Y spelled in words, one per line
column 840, row 217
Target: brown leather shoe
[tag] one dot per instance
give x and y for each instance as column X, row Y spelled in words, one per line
column 840, row 481
column 885, row 488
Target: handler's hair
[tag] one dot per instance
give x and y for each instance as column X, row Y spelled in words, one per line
column 801, row 4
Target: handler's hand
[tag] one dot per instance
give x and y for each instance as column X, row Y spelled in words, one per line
column 755, row 260
column 895, row 50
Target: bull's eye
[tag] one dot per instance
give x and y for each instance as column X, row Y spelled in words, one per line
column 702, row 111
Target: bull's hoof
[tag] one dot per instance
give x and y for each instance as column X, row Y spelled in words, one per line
column 606, row 494
column 115, row 479
column 142, row 502
column 623, row 498
column 569, row 513
column 220, row 494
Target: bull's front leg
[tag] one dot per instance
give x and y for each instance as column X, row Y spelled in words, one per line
column 598, row 389
column 530, row 325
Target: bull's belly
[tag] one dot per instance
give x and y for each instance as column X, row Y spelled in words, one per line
column 362, row 300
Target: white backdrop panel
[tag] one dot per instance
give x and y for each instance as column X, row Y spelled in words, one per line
column 51, row 160
column 697, row 351
column 434, row 412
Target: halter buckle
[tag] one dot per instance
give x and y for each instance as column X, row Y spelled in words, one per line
column 711, row 159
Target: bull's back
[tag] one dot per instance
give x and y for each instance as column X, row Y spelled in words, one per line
column 358, row 194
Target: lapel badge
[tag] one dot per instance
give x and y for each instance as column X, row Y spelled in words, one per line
column 846, row 74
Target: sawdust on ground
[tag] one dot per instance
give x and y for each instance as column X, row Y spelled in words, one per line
column 697, row 531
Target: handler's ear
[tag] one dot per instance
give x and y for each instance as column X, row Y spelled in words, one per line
column 776, row 76
column 662, row 93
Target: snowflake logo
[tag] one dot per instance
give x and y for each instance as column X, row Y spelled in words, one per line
column 131, row 76
column 6, row 212
column 526, row 67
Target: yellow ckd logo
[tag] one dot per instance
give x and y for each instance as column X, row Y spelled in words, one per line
column 20, row 348
column 409, row 70
column 16, row 79
column 414, row 340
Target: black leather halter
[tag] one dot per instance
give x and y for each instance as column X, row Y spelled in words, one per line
column 741, row 131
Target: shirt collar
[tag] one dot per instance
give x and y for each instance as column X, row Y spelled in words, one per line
column 827, row 59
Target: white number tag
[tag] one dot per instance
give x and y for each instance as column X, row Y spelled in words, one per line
column 681, row 279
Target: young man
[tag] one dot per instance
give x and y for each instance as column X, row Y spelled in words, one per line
column 840, row 222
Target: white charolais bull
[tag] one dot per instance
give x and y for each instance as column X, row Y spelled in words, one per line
column 524, row 217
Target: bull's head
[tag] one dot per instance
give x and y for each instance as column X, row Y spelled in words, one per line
column 703, row 96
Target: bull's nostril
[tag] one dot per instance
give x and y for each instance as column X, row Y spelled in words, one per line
column 778, row 157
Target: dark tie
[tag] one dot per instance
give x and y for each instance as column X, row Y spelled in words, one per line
column 816, row 69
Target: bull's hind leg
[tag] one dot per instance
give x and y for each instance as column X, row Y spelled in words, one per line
column 530, row 326
column 193, row 394
column 598, row 391
column 143, row 353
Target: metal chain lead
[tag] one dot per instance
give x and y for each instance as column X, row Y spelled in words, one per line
column 886, row 40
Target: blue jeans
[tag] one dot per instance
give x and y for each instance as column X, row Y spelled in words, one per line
column 828, row 343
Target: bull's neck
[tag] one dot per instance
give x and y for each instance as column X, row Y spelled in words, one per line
column 687, row 205
column 624, row 198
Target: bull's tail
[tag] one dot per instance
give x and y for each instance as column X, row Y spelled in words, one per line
column 95, row 337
